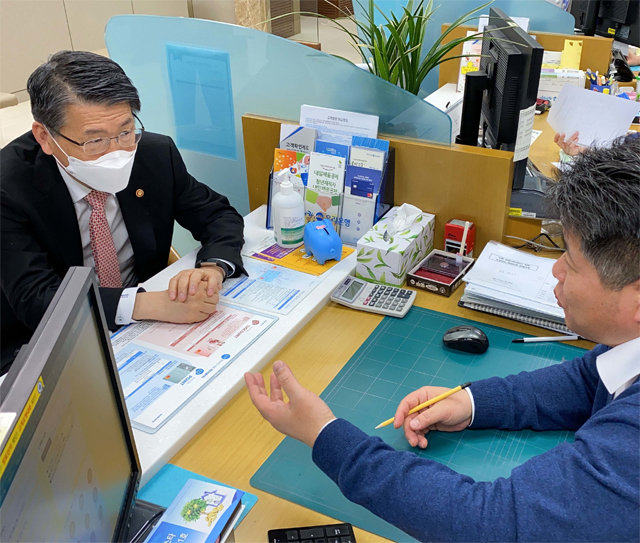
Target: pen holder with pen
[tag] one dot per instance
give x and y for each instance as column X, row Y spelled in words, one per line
column 604, row 89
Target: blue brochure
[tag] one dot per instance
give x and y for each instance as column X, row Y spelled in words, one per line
column 372, row 143
column 330, row 148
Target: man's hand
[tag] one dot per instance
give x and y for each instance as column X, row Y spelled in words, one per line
column 158, row 306
column 187, row 282
column 302, row 417
column 449, row 415
column 570, row 145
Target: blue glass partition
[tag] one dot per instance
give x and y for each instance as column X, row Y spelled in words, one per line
column 543, row 17
column 197, row 78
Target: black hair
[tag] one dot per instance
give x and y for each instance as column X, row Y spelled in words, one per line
column 598, row 200
column 72, row 77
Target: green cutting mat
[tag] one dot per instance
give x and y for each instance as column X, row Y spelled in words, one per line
column 399, row 356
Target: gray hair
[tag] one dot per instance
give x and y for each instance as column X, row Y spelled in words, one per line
column 598, row 200
column 75, row 77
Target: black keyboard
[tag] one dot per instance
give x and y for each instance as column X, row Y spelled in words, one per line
column 327, row 533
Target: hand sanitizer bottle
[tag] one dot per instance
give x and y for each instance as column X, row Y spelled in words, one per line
column 288, row 216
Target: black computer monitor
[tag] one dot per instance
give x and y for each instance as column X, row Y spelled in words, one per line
column 619, row 19
column 585, row 13
column 69, row 469
column 505, row 85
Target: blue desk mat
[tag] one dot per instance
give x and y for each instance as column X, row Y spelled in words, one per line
column 398, row 357
column 165, row 485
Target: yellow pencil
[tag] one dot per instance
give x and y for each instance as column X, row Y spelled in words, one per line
column 427, row 403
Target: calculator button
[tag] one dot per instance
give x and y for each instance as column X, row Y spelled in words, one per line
column 311, row 533
column 292, row 535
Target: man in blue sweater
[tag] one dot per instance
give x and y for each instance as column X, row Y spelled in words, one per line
column 587, row 490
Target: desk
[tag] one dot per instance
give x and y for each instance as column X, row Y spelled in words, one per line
column 155, row 450
column 233, row 445
column 544, row 151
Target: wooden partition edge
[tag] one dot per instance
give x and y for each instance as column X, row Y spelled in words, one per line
column 452, row 182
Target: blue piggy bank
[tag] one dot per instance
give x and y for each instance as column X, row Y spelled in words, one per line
column 322, row 241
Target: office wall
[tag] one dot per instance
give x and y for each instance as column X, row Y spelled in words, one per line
column 215, row 10
column 31, row 30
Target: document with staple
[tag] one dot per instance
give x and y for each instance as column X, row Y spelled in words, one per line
column 516, row 285
column 518, row 274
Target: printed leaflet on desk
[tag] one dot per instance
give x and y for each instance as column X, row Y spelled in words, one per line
column 268, row 287
column 162, row 365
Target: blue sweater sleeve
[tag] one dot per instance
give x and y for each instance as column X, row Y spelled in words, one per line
column 588, row 490
column 582, row 491
column 558, row 397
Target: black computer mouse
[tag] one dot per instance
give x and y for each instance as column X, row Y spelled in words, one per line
column 466, row 338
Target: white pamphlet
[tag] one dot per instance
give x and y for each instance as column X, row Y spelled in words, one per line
column 516, row 273
column 598, row 118
column 338, row 126
column 162, row 365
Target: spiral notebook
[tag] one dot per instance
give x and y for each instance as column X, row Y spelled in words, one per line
column 513, row 313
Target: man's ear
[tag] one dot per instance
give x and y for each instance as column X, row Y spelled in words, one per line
column 636, row 297
column 42, row 137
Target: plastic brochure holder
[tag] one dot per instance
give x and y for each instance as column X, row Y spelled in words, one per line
column 375, row 207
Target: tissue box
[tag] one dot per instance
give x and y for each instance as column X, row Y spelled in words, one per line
column 387, row 261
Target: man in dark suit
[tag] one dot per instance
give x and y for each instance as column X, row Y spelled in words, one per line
column 87, row 186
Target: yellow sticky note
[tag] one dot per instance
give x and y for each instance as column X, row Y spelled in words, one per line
column 571, row 54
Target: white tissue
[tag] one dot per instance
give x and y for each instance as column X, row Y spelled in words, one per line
column 405, row 216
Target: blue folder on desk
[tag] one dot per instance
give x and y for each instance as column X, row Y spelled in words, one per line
column 399, row 356
column 167, row 483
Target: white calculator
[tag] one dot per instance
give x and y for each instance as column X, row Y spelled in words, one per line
column 383, row 299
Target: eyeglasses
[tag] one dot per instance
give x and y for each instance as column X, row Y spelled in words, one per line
column 97, row 146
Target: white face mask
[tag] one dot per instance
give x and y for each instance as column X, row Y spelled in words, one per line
column 108, row 173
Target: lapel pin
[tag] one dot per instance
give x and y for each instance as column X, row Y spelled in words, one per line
column 139, row 193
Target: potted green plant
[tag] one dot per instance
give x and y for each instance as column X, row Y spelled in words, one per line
column 394, row 50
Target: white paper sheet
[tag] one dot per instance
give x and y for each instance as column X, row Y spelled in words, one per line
column 598, row 118
column 268, row 287
column 524, row 134
column 162, row 365
column 516, row 273
column 338, row 126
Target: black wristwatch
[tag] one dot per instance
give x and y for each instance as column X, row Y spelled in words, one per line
column 226, row 269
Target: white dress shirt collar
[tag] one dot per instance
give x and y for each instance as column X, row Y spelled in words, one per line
column 76, row 190
column 618, row 367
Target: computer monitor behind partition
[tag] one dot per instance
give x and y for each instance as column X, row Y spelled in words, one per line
column 620, row 20
column 69, row 469
column 585, row 12
column 503, row 90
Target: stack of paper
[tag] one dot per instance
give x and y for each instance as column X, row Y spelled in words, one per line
column 514, row 284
